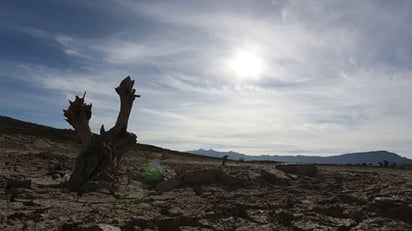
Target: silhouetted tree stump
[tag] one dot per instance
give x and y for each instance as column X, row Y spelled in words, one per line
column 100, row 152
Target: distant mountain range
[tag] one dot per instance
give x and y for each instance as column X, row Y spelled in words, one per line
column 372, row 158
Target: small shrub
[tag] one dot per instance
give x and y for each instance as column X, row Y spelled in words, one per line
column 152, row 172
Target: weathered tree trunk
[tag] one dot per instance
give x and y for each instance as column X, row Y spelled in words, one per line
column 99, row 152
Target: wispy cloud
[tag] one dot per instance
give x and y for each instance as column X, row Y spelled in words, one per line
column 337, row 75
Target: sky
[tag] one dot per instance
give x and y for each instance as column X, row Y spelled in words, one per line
column 257, row 77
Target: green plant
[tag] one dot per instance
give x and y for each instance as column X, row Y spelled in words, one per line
column 152, row 172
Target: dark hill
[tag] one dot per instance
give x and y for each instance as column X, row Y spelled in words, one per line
column 10, row 126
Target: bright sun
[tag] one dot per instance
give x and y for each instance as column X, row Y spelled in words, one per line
column 246, row 64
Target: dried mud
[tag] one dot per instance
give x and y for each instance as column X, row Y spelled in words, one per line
column 337, row 198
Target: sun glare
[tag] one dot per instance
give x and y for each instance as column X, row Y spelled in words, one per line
column 246, row 64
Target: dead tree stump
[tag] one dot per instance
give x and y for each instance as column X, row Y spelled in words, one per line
column 100, row 152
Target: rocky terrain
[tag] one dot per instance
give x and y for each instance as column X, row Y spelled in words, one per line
column 207, row 196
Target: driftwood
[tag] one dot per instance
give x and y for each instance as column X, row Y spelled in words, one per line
column 100, row 152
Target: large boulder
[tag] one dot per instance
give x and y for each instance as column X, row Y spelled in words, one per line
column 169, row 185
column 274, row 176
column 197, row 178
column 203, row 176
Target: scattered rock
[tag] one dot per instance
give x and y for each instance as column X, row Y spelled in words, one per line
column 106, row 227
column 169, row 185
column 168, row 224
column 275, row 177
column 204, row 176
column 332, row 211
column 17, row 216
column 168, row 173
column 392, row 208
column 300, row 169
column 230, row 181
column 381, row 224
column 346, row 199
column 247, row 196
column 69, row 227
column 30, row 203
column 197, row 178
column 18, row 183
column 89, row 227
column 188, row 221
column 284, row 217
column 3, row 182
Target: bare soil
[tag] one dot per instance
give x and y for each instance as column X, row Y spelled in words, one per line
column 337, row 198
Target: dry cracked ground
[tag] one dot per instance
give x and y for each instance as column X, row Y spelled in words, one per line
column 254, row 196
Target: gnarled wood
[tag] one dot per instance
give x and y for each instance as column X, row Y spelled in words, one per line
column 99, row 152
column 78, row 115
